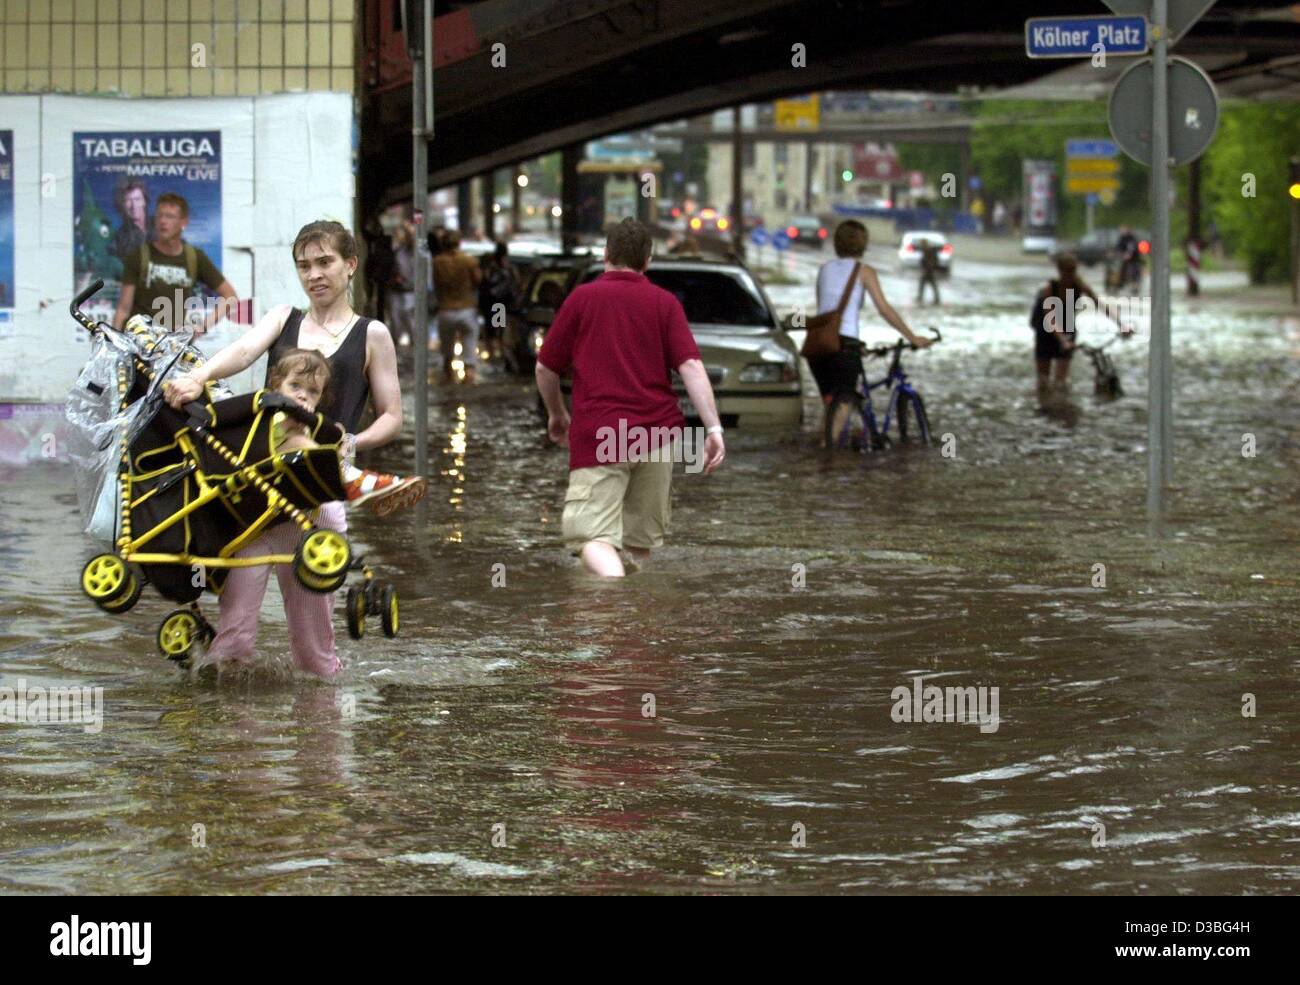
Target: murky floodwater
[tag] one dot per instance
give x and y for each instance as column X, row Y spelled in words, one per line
column 523, row 705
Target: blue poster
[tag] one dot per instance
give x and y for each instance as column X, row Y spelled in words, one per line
column 118, row 178
column 7, row 287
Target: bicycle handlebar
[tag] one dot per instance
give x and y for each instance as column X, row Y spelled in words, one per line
column 885, row 350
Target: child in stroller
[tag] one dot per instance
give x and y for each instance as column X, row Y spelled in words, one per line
column 303, row 375
column 181, row 494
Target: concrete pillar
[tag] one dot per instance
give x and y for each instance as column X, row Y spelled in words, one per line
column 569, row 158
column 737, row 185
column 516, row 198
column 963, row 193
column 464, row 207
column 489, row 180
column 807, row 177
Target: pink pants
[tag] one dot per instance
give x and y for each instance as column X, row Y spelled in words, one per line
column 309, row 614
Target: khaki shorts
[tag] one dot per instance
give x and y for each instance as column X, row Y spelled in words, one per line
column 627, row 504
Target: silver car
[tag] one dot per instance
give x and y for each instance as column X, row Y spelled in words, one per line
column 752, row 362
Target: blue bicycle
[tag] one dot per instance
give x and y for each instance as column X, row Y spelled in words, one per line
column 904, row 408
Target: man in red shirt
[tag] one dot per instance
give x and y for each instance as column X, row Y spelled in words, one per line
column 623, row 336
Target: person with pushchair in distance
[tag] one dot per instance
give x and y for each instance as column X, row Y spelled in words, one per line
column 1053, row 320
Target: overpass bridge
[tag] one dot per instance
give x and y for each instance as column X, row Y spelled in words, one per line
column 517, row 78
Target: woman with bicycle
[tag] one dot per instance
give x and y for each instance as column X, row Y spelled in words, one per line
column 837, row 373
column 1053, row 321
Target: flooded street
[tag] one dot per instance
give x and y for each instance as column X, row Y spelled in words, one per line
column 1121, row 761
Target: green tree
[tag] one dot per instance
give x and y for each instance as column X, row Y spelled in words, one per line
column 1007, row 132
column 932, row 160
column 1255, row 140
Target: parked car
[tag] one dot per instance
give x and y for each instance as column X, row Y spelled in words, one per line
column 750, row 360
column 807, row 230
column 1098, row 246
column 909, row 250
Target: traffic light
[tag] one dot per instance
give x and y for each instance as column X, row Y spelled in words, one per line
column 846, row 174
column 1293, row 186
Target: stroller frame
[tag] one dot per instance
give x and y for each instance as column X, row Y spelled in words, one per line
column 323, row 557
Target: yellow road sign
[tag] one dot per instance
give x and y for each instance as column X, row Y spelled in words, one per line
column 1091, row 166
column 799, row 113
column 1089, row 184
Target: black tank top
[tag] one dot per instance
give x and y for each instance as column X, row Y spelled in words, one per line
column 348, row 382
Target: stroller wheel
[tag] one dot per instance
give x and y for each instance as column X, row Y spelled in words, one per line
column 178, row 632
column 356, row 612
column 322, row 560
column 135, row 585
column 388, row 614
column 105, row 578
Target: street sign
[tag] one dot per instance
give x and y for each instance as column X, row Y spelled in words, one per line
column 1091, row 148
column 1091, row 186
column 758, row 236
column 798, row 113
column 1162, row 111
column 1182, row 13
column 780, row 240
column 1091, row 167
column 1081, row 37
column 1193, row 111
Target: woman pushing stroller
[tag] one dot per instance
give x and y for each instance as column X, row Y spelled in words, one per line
column 328, row 347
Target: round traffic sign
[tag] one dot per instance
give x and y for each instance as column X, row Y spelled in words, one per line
column 1193, row 111
column 781, row 240
column 758, row 236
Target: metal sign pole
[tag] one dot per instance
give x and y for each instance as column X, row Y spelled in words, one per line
column 419, row 32
column 1159, row 404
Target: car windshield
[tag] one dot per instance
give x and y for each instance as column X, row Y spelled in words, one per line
column 713, row 297
column 710, row 297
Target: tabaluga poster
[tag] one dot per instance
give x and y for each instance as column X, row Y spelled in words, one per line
column 6, row 231
column 118, row 177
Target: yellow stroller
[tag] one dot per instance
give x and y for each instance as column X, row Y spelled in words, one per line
column 178, row 494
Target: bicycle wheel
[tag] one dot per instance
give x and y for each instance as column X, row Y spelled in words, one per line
column 912, row 404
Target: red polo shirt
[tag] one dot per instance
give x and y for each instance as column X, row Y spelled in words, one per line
column 623, row 336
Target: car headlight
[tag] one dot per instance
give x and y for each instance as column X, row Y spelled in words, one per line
column 768, row 373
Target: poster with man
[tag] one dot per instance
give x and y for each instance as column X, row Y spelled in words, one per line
column 147, row 221
column 7, row 287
